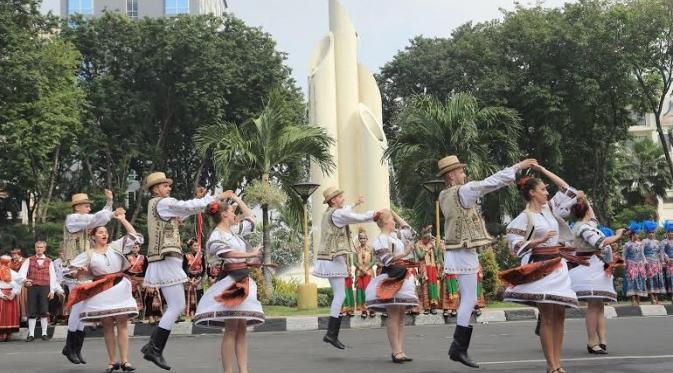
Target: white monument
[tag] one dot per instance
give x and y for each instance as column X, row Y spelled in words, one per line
column 345, row 100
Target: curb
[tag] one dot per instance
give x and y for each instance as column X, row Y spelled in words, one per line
column 307, row 323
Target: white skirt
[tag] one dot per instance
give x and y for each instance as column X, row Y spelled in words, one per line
column 555, row 288
column 212, row 314
column 591, row 282
column 406, row 296
column 331, row 268
column 115, row 301
column 165, row 272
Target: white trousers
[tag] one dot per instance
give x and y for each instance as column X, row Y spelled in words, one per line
column 175, row 305
column 338, row 285
column 467, row 287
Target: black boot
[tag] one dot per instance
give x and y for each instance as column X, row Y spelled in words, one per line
column 80, row 342
column 69, row 351
column 537, row 326
column 154, row 349
column 461, row 342
column 332, row 335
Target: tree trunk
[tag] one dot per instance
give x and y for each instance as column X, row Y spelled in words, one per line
column 266, row 244
column 50, row 190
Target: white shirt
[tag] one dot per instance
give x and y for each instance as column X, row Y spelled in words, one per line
column 170, row 207
column 386, row 247
column 113, row 260
column 78, row 222
column 14, row 283
column 220, row 243
column 53, row 283
column 345, row 216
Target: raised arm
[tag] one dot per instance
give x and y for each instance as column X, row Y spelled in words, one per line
column 471, row 192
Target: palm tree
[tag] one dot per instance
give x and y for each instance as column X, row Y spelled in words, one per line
column 643, row 174
column 483, row 137
column 272, row 149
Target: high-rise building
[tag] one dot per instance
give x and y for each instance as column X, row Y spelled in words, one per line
column 135, row 9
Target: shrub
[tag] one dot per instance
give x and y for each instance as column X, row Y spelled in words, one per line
column 490, row 281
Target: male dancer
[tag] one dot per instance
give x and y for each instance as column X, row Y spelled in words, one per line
column 465, row 232
column 164, row 256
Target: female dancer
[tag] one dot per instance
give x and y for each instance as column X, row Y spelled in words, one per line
column 593, row 283
column 656, row 283
column 636, row 265
column 232, row 301
column 394, row 289
column 109, row 298
column 667, row 253
column 535, row 236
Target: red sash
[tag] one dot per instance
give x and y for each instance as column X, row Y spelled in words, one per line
column 194, row 263
column 137, row 263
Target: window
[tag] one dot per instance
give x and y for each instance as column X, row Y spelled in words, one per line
column 80, row 7
column 132, row 9
column 173, row 7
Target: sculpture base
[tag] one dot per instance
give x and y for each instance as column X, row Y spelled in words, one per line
column 307, row 296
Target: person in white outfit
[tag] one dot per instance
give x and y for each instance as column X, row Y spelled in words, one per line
column 164, row 256
column 232, row 301
column 335, row 244
column 76, row 240
column 464, row 233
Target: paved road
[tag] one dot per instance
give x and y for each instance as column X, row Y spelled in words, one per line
column 636, row 345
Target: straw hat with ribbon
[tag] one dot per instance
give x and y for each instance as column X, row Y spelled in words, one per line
column 79, row 199
column 156, row 178
column 330, row 193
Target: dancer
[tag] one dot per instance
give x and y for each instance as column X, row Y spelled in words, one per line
column 76, row 240
column 656, row 284
column 593, row 283
column 428, row 284
column 536, row 236
column 635, row 276
column 335, row 244
column 232, row 301
column 108, row 298
column 364, row 264
column 10, row 288
column 194, row 265
column 667, row 253
column 136, row 273
column 394, row 290
column 348, row 307
column 164, row 256
column 22, row 298
column 40, row 275
column 459, row 207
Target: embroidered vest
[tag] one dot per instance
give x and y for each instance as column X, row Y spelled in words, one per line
column 364, row 258
column 38, row 275
column 75, row 244
column 580, row 244
column 334, row 241
column 194, row 264
column 463, row 228
column 164, row 235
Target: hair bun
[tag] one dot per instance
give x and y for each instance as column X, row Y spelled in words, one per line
column 522, row 182
column 377, row 216
column 213, row 208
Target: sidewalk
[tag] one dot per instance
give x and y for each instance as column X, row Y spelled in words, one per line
column 303, row 323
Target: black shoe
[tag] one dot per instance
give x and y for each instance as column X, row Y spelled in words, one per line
column 604, row 347
column 44, row 337
column 111, row 368
column 332, row 335
column 79, row 342
column 538, row 325
column 126, row 367
column 30, row 338
column 396, row 360
column 153, row 350
column 70, row 351
column 461, row 342
column 593, row 350
column 407, row 358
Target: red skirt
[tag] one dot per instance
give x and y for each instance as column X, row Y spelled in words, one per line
column 9, row 314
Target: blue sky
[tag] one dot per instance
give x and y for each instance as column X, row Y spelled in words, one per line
column 384, row 26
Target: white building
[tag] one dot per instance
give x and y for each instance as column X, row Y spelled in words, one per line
column 134, row 8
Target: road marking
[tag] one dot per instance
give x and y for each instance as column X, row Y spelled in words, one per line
column 577, row 359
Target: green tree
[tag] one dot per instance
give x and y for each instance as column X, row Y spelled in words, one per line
column 643, row 172
column 485, row 138
column 272, row 147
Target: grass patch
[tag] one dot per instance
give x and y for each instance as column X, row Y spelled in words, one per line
column 272, row 311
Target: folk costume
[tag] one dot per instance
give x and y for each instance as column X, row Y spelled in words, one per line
column 364, row 271
column 635, row 276
column 76, row 241
column 348, row 306
column 194, row 265
column 39, row 269
column 57, row 308
column 10, row 288
column 136, row 274
column 164, row 256
column 667, row 253
column 330, row 263
column 464, row 233
column 656, row 283
column 234, row 295
column 428, row 280
column 594, row 281
column 395, row 286
column 22, row 301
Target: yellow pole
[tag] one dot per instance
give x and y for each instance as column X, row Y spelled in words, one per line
column 437, row 235
column 305, row 243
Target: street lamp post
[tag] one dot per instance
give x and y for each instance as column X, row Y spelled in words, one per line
column 434, row 187
column 307, row 293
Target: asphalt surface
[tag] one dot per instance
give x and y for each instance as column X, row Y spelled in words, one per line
column 635, row 345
